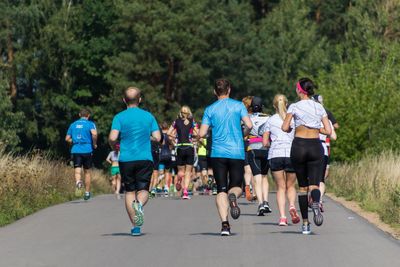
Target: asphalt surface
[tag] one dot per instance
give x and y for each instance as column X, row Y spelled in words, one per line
column 186, row 233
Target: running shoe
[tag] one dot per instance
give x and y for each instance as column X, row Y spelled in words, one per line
column 135, row 231
column 235, row 210
column 166, row 191
column 185, row 194
column 321, row 207
column 214, row 190
column 179, row 184
column 138, row 219
column 318, row 218
column 294, row 215
column 260, row 210
column 153, row 192
column 266, row 207
column 87, row 196
column 226, row 230
column 209, row 181
column 254, row 197
column 79, row 189
column 283, row 221
column 249, row 197
column 306, row 229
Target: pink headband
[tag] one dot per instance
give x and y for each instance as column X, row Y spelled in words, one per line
column 301, row 89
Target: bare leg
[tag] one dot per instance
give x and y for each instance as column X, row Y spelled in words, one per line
column 259, row 189
column 265, row 187
column 87, row 179
column 118, row 184
column 291, row 189
column 114, row 183
column 129, row 198
column 78, row 174
column 222, row 205
column 188, row 174
column 247, row 175
column 280, row 181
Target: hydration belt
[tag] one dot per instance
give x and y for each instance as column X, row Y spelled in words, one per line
column 184, row 144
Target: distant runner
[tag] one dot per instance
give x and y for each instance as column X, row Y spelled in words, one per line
column 113, row 158
column 184, row 127
column 134, row 127
column 227, row 153
column 82, row 135
column 282, row 170
column 258, row 156
column 307, row 154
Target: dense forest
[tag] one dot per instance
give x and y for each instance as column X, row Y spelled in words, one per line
column 60, row 55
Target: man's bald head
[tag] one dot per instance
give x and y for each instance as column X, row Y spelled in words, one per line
column 132, row 96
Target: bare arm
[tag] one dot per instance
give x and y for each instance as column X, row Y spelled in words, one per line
column 94, row 138
column 203, row 130
column 108, row 159
column 113, row 138
column 327, row 130
column 266, row 142
column 286, row 123
column 333, row 135
column 68, row 139
column 247, row 125
column 156, row 135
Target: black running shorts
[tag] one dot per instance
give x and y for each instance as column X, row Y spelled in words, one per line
column 203, row 163
column 85, row 160
column 228, row 173
column 258, row 161
column 307, row 157
column 281, row 164
column 136, row 175
column 185, row 155
column 156, row 159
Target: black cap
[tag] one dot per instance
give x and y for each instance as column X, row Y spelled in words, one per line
column 256, row 102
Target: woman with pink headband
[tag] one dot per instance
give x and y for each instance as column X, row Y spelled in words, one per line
column 307, row 153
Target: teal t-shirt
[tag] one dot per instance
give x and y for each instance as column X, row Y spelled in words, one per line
column 80, row 132
column 224, row 117
column 135, row 127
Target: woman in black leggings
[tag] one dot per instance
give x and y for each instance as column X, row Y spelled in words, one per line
column 307, row 154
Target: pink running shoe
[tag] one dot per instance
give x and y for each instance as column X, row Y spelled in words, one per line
column 185, row 194
column 283, row 221
column 294, row 215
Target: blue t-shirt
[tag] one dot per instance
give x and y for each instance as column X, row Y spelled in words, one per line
column 224, row 117
column 135, row 127
column 80, row 132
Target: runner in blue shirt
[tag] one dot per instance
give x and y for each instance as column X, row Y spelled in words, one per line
column 82, row 135
column 227, row 152
column 135, row 128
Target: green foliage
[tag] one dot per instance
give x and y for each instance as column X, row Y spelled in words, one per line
column 11, row 123
column 69, row 54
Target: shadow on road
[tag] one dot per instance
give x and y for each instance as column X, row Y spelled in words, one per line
column 291, row 233
column 210, row 234
column 122, row 234
column 267, row 223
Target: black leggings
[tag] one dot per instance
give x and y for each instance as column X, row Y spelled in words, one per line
column 224, row 168
column 307, row 157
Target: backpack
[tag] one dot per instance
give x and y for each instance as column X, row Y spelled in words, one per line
column 165, row 154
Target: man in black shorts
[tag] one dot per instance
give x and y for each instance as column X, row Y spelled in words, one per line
column 227, row 152
column 134, row 127
column 82, row 135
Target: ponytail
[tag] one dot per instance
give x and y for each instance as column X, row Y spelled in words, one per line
column 280, row 103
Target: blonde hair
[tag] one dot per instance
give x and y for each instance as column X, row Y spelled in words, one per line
column 185, row 113
column 247, row 102
column 280, row 103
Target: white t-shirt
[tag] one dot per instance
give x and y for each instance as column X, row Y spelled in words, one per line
column 281, row 142
column 258, row 120
column 323, row 137
column 113, row 156
column 308, row 113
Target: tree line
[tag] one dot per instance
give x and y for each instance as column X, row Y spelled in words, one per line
column 58, row 56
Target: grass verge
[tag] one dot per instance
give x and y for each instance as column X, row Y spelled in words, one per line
column 373, row 182
column 34, row 182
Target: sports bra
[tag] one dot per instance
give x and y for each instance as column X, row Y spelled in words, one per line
column 307, row 113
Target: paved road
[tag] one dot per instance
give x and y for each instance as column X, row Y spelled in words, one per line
column 186, row 233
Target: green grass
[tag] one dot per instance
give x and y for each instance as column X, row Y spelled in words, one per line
column 34, row 182
column 373, row 182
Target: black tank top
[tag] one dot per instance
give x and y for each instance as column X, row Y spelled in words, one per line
column 183, row 131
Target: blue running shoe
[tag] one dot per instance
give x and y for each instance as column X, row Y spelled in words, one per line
column 138, row 219
column 135, row 231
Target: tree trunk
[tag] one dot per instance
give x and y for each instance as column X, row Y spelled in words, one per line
column 318, row 13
